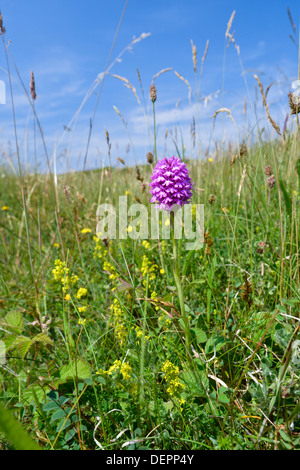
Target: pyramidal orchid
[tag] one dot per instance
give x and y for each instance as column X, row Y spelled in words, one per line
column 170, row 183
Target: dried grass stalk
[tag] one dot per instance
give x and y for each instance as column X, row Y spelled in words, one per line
column 161, row 72
column 204, row 56
column 291, row 20
column 186, row 82
column 242, row 180
column 128, row 85
column 223, row 110
column 275, row 126
column 229, row 24
column 194, row 50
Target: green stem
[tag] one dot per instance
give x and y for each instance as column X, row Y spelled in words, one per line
column 143, row 344
column 154, row 131
column 179, row 288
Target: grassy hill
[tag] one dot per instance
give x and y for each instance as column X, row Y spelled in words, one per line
column 93, row 331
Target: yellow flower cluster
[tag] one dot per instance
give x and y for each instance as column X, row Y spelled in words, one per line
column 122, row 368
column 82, row 309
column 119, row 321
column 172, row 378
column 139, row 334
column 154, row 298
column 61, row 274
column 109, row 268
column 99, row 250
column 164, row 320
column 148, row 269
column 146, row 244
column 82, row 291
column 86, row 230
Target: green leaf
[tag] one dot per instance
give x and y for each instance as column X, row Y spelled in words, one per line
column 196, row 382
column 22, row 344
column 287, row 199
column 51, row 405
column 168, row 405
column 15, row 432
column 41, row 338
column 39, row 392
column 200, row 335
column 14, row 322
column 8, row 341
column 63, row 400
column 281, row 334
column 223, row 398
column 80, row 370
column 58, row 414
column 214, row 344
column 69, row 434
column 64, row 423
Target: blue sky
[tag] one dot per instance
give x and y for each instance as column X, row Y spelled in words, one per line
column 67, row 45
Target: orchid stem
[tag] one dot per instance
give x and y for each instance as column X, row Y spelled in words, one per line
column 179, row 288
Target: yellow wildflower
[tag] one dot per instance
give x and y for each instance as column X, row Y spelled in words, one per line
column 5, row 208
column 61, row 274
column 110, row 269
column 82, row 291
column 154, row 298
column 148, row 268
column 122, row 368
column 164, row 320
column 99, row 251
column 139, row 334
column 82, row 321
column 86, row 230
column 82, row 309
column 119, row 321
column 172, row 378
column 68, row 281
column 146, row 244
column 68, row 297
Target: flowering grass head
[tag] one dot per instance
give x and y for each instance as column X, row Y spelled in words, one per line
column 171, row 184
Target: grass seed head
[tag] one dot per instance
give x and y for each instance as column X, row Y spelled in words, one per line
column 32, row 86
column 2, row 29
column 150, row 158
column 153, row 93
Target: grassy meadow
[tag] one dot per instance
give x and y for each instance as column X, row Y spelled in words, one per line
column 94, row 330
